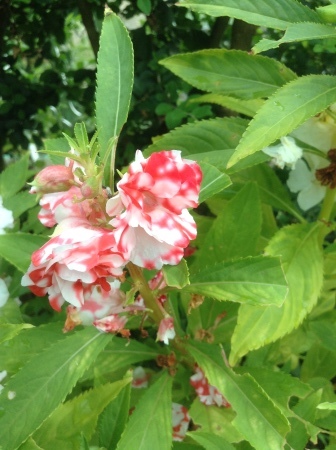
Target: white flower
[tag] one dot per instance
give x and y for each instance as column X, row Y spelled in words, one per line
column 4, row 294
column 6, row 218
column 287, row 152
column 302, row 180
column 318, row 132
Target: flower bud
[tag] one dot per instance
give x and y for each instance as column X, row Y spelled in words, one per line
column 52, row 179
column 91, row 187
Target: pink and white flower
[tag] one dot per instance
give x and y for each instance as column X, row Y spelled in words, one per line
column 180, row 421
column 209, row 395
column 75, row 265
column 166, row 330
column 140, row 378
column 152, row 223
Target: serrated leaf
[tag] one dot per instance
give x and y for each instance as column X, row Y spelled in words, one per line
column 255, row 280
column 284, row 111
column 212, row 141
column 17, row 248
column 301, row 257
column 34, row 392
column 211, row 441
column 150, row 425
column 176, row 276
column 297, row 32
column 79, row 415
column 266, row 13
column 232, row 234
column 114, row 81
column 8, row 331
column 57, row 145
column 81, row 135
column 230, row 72
column 258, row 419
column 246, row 107
column 14, row 177
column 213, row 181
column 113, row 419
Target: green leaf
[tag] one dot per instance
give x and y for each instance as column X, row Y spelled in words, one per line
column 35, row 391
column 114, row 81
column 327, row 405
column 14, row 177
column 57, row 145
column 255, row 280
column 213, row 181
column 233, row 234
column 210, row 441
column 150, row 425
column 17, row 248
column 30, row 444
column 20, row 202
column 81, row 136
column 319, row 360
column 211, row 141
column 266, row 13
column 145, row 6
column 288, row 108
column 176, row 276
column 327, row 13
column 8, row 331
column 246, row 107
column 230, row 72
column 113, row 419
column 298, row 32
column 258, row 419
column 302, row 262
column 79, row 415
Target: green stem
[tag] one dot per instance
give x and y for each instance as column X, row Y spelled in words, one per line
column 326, row 211
column 156, row 312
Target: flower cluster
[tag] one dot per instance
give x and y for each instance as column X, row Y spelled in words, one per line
column 145, row 223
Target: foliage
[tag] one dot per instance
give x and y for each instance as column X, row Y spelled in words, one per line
column 253, row 361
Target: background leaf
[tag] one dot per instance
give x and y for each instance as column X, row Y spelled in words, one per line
column 114, row 80
column 14, row 177
column 255, row 280
column 213, row 181
column 302, row 262
column 34, row 392
column 267, row 13
column 150, row 425
column 288, row 108
column 258, row 419
column 230, row 72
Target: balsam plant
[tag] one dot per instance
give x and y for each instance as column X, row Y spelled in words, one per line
column 226, row 343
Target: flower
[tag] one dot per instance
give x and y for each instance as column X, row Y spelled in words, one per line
column 140, row 378
column 6, row 218
column 180, row 421
column 52, row 179
column 4, row 294
column 209, row 395
column 152, row 222
column 73, row 263
column 287, row 152
column 302, row 180
column 166, row 330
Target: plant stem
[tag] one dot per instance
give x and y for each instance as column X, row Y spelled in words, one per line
column 156, row 312
column 326, row 210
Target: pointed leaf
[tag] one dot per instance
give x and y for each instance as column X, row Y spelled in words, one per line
column 211, row 141
column 57, row 145
column 246, row 107
column 81, row 135
column 302, row 262
column 113, row 419
column 266, row 13
column 150, row 425
column 213, row 181
column 8, row 331
column 230, row 72
column 79, row 415
column 14, row 177
column 34, row 392
column 255, row 280
column 210, row 441
column 298, row 32
column 114, row 80
column 258, row 419
column 17, row 248
column 176, row 276
column 233, row 234
column 20, row 202
column 288, row 108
